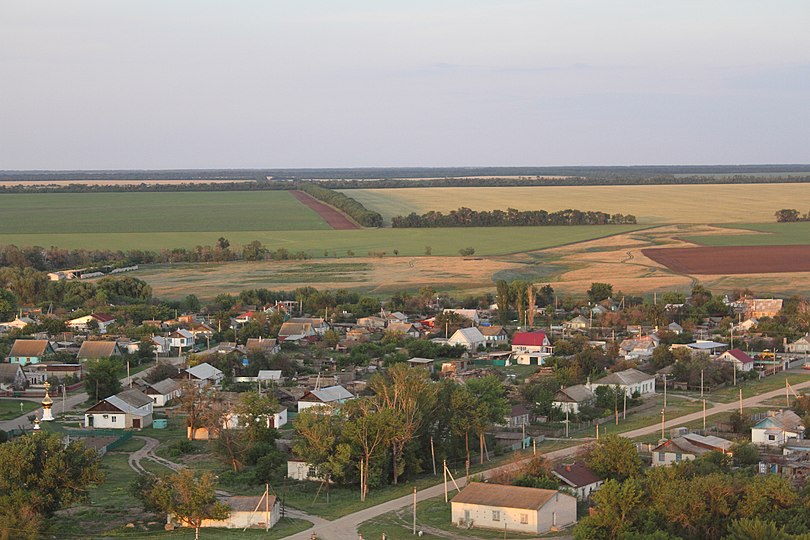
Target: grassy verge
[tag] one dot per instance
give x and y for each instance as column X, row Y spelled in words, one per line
column 284, row 528
column 752, row 388
column 10, row 407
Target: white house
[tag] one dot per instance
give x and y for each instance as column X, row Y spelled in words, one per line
column 531, row 348
column 630, row 380
column 269, row 375
column 205, row 373
column 301, row 470
column 81, row 324
column 127, row 409
column 740, row 360
column 329, row 396
column 407, row 329
column 521, row 509
column 675, row 328
column 181, row 339
column 471, row 314
column 161, row 344
column 471, row 338
column 801, row 345
column 579, row 478
column 686, row 447
column 267, row 345
column 640, row 348
column 495, row 335
column 163, row 391
column 776, row 428
column 577, row 324
column 573, row 398
column 246, row 511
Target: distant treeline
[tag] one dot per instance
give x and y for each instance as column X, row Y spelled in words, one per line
column 54, row 258
column 791, row 215
column 465, row 217
column 351, row 207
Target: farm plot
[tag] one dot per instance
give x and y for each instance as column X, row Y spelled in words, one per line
column 659, row 204
column 74, row 214
column 758, row 234
column 725, row 260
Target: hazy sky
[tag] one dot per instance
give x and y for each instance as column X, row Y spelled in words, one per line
column 299, row 83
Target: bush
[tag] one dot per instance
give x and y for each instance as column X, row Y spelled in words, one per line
column 180, row 447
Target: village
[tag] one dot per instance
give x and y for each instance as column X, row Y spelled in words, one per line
column 308, row 404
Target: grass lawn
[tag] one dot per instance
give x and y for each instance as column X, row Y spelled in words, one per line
column 10, row 407
column 152, row 212
column 762, row 234
column 433, row 518
column 742, row 203
column 410, row 242
column 285, row 527
column 753, row 387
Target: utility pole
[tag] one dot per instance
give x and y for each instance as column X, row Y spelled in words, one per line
column 701, row 383
column 704, row 414
column 444, row 470
column 741, row 410
column 414, row 510
column 566, row 422
column 662, row 423
column 433, row 456
column 665, row 390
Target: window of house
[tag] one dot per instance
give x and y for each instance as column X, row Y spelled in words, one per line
column 661, row 456
column 524, row 519
column 312, row 473
column 771, row 437
column 677, row 457
column 496, row 515
column 114, row 418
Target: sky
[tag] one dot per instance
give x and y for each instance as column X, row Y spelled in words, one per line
column 162, row 84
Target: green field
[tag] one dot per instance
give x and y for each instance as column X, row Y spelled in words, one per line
column 762, row 234
column 10, row 407
column 485, row 240
column 216, row 212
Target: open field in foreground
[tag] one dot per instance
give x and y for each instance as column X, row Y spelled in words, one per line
column 486, row 241
column 72, row 215
column 726, row 260
column 705, row 203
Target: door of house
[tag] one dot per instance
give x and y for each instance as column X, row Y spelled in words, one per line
column 466, row 516
column 90, row 420
column 136, row 423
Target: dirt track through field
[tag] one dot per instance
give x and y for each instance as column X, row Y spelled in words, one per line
column 333, row 217
column 727, row 260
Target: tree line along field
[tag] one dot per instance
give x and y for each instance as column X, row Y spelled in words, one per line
column 651, row 204
column 411, row 242
column 150, row 212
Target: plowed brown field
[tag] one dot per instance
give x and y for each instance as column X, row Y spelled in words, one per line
column 727, row 260
column 333, row 217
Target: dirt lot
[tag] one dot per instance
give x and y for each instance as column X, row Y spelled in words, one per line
column 336, row 219
column 728, row 260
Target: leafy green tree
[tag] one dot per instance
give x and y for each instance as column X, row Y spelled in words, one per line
column 765, row 494
column 615, row 457
column 8, row 305
column 188, row 498
column 599, row 292
column 491, row 405
column 662, row 357
column 745, row 454
column 618, row 504
column 101, row 378
column 319, row 442
column 755, row 529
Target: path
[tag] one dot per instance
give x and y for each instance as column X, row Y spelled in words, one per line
column 346, row 526
column 332, row 216
column 148, row 452
column 22, row 422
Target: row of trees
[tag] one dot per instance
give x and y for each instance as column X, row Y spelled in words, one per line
column 465, row 217
column 377, row 439
column 791, row 215
column 351, row 207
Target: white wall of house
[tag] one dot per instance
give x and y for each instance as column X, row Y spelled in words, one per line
column 771, row 436
column 664, row 459
column 240, row 520
column 559, row 512
column 571, row 406
column 301, row 470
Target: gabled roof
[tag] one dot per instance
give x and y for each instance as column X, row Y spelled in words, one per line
column 9, row 372
column 103, row 317
column 470, row 335
column 739, row 355
column 574, row 394
column 692, row 443
column 518, row 410
column 625, row 378
column 260, row 343
column 497, row 495
column 247, row 503
column 29, row 347
column 328, row 394
column 182, row 333
column 98, row 349
column 164, row 387
column 401, row 327
column 471, row 314
column 269, row 375
column 576, row 474
column 532, row 339
column 295, row 329
column 784, row 420
column 204, row 371
column 494, row 330
column 128, row 401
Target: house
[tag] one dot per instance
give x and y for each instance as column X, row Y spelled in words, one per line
column 359, row 334
column 740, row 360
column 521, row 509
column 372, row 322
column 225, row 347
column 630, row 380
column 518, row 416
column 269, row 375
column 127, row 409
column 579, row 478
column 318, row 324
column 246, row 512
column 746, row 326
column 406, row 329
column 301, row 470
column 181, row 339
column 640, row 348
column 17, row 324
column 29, row 351
column 776, row 428
column 161, row 344
column 39, row 373
column 393, row 317
column 163, row 391
column 294, row 331
column 531, row 348
column 675, row 328
column 573, row 398
column 205, row 373
column 686, row 447
column 82, row 324
column 707, row 346
column 201, row 330
column 470, row 314
column 266, row 345
column 495, row 335
column 93, row 350
column 423, row 363
column 329, row 397
column 12, row 377
column 758, row 308
column 577, row 324
column 471, row 338
column 801, row 345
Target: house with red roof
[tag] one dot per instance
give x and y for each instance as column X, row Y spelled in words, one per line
column 741, row 361
column 531, row 348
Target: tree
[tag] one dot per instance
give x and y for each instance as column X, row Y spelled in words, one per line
column 662, row 357
column 755, row 529
column 101, row 378
column 614, row 457
column 502, row 298
column 599, row 292
column 319, row 442
column 370, row 429
column 787, row 215
column 617, row 505
column 188, row 498
column 40, row 474
column 491, row 405
column 8, row 304
column 200, row 405
column 163, row 370
column 467, row 251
